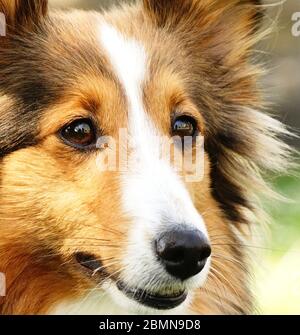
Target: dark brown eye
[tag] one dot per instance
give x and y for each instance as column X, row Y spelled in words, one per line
column 79, row 134
column 184, row 126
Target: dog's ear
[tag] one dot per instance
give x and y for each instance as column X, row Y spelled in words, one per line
column 172, row 13
column 227, row 27
column 23, row 15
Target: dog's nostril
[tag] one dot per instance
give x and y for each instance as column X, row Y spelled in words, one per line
column 169, row 253
column 206, row 251
column 175, row 255
column 183, row 252
column 88, row 261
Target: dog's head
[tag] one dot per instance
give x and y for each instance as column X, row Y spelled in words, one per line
column 87, row 199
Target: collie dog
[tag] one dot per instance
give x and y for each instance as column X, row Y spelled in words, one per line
column 147, row 237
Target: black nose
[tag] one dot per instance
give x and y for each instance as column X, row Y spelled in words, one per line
column 183, row 252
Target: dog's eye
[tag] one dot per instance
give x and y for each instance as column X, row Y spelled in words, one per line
column 79, row 134
column 184, row 126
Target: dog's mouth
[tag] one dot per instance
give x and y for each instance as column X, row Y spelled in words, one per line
column 157, row 301
column 152, row 300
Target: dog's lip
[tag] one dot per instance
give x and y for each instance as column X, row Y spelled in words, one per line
column 156, row 301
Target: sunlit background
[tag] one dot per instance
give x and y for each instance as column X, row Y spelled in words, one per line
column 277, row 267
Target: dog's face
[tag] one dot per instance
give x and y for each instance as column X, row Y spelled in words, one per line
column 73, row 218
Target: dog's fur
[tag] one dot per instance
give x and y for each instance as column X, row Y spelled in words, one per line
column 56, row 67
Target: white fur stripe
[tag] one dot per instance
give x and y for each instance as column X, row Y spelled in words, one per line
column 154, row 197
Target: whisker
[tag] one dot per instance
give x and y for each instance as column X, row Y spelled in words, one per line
column 231, row 260
column 93, row 246
column 218, row 273
column 253, row 246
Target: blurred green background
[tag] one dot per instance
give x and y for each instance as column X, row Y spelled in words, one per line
column 277, row 263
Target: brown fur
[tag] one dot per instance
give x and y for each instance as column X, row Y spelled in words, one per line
column 55, row 202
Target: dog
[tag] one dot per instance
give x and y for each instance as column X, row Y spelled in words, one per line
column 79, row 239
